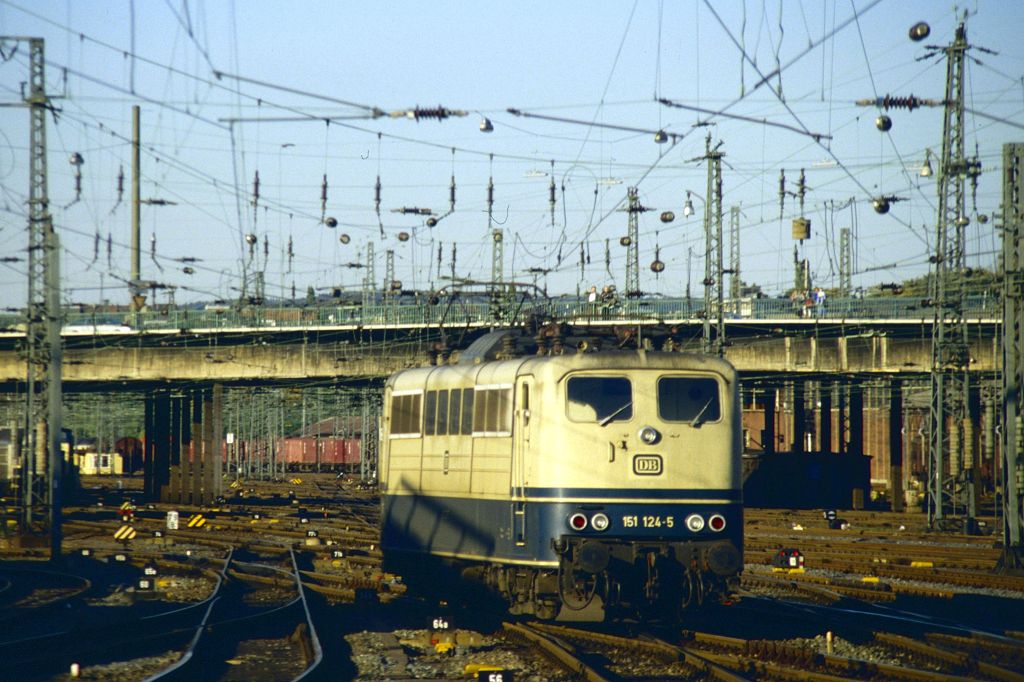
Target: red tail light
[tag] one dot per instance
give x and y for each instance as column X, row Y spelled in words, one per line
column 578, row 521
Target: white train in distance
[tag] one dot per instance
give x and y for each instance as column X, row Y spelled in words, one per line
column 582, row 485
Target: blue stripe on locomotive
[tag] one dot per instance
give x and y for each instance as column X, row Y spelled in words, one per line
column 486, row 529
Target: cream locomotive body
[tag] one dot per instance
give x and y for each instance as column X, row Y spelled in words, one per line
column 576, row 485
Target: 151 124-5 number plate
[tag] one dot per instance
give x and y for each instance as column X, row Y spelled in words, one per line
column 648, row 521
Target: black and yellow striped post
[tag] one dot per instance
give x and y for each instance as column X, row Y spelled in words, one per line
column 125, row 534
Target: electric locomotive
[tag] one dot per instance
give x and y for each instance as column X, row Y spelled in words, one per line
column 579, row 485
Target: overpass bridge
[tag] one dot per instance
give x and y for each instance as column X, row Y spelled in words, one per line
column 852, row 377
column 868, row 337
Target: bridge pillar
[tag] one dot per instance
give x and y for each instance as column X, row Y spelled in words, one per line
column 185, row 451
column 825, row 416
column 206, row 478
column 217, row 438
column 148, row 441
column 896, row 444
column 857, row 436
column 172, row 492
column 195, row 480
column 156, row 468
column 856, row 417
column 799, row 416
column 768, row 436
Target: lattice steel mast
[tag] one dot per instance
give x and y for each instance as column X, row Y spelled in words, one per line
column 951, row 465
column 633, row 244
column 1013, row 356
column 369, row 282
column 845, row 263
column 713, row 291
column 735, row 283
column 42, row 459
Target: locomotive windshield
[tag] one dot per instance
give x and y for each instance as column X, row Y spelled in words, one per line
column 597, row 399
column 688, row 399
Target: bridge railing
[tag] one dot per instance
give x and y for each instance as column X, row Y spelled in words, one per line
column 456, row 312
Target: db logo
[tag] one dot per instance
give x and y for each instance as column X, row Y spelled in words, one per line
column 647, row 465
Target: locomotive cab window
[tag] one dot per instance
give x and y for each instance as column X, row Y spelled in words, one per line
column 689, row 399
column 599, row 399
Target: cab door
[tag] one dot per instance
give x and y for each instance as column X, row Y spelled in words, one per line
column 522, row 431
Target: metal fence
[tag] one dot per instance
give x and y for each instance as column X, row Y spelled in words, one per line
column 453, row 311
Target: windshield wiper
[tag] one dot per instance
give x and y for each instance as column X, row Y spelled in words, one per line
column 697, row 421
column 607, row 420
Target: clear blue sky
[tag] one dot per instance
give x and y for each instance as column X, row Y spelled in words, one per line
column 593, row 62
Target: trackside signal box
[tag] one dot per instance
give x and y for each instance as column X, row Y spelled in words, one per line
column 788, row 560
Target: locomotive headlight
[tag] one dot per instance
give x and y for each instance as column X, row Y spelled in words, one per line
column 578, row 521
column 717, row 523
column 649, row 435
column 695, row 522
column 599, row 521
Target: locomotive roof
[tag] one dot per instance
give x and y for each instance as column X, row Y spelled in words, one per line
column 555, row 366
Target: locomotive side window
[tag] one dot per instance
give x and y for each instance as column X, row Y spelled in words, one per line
column 405, row 413
column 429, row 413
column 467, row 412
column 689, row 399
column 600, row 399
column 442, row 413
column 492, row 411
column 443, row 410
column 455, row 411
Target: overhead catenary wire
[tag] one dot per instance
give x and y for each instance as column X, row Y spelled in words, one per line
column 535, row 157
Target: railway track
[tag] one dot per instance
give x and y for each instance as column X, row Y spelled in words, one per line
column 301, row 579
column 598, row 656
column 237, row 642
column 254, row 622
column 96, row 635
column 27, row 588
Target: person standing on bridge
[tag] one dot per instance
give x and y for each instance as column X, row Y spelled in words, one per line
column 819, row 301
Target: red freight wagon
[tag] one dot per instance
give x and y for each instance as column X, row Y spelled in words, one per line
column 334, row 453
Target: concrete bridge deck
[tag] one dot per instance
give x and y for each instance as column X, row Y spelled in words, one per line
column 269, row 345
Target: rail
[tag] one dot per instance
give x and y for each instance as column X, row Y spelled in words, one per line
column 168, row 672
column 418, row 311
